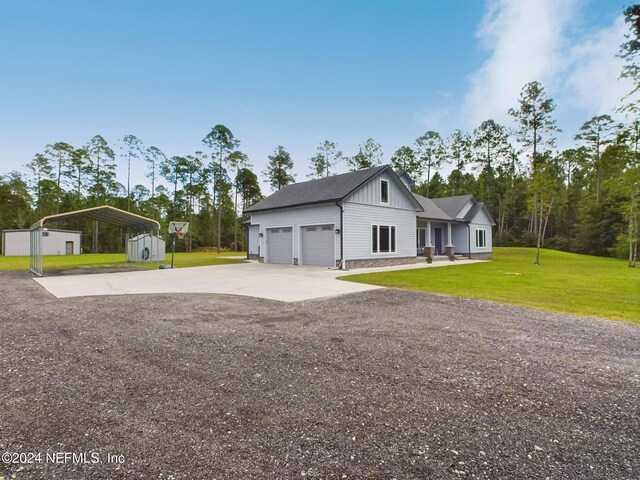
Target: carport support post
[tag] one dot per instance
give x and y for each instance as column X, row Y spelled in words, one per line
column 126, row 247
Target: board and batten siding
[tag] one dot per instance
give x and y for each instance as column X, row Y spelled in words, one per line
column 358, row 219
column 297, row 217
column 369, row 194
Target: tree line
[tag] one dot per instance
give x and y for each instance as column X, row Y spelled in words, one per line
column 582, row 199
column 207, row 189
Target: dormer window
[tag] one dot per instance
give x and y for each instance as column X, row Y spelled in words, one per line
column 384, row 191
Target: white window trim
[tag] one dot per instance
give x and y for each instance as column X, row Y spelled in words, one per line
column 382, row 180
column 479, row 237
column 395, row 229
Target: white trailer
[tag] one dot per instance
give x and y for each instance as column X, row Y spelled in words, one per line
column 54, row 242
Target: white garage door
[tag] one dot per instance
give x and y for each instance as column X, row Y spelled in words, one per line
column 279, row 245
column 318, row 247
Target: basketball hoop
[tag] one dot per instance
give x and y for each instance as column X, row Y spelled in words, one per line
column 180, row 229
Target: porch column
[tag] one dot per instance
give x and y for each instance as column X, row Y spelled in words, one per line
column 449, row 244
column 428, row 234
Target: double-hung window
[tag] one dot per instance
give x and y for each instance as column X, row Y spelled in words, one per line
column 383, row 239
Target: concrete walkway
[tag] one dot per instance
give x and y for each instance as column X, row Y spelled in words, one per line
column 286, row 283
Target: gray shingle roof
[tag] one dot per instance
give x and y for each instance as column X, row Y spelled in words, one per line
column 452, row 205
column 323, row 190
column 431, row 210
column 473, row 211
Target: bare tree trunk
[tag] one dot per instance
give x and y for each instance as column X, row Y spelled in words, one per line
column 546, row 220
column 220, row 209
column 95, row 236
column 542, row 228
column 235, row 216
column 633, row 234
column 58, row 185
column 129, row 183
column 538, row 242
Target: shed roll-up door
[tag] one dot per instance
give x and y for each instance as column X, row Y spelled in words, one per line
column 318, row 245
column 279, row 245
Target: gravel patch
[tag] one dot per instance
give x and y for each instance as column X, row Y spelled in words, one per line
column 376, row 385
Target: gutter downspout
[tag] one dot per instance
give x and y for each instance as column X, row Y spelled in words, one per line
column 469, row 235
column 342, row 265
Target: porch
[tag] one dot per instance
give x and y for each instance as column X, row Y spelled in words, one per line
column 438, row 235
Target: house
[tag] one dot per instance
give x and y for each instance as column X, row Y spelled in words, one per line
column 365, row 218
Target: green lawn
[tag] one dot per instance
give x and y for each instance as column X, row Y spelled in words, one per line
column 56, row 262
column 564, row 282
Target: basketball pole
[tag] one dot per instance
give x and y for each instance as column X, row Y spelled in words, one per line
column 173, row 248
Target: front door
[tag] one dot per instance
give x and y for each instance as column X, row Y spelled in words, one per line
column 438, row 240
column 68, row 248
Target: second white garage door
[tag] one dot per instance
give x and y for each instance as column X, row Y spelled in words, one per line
column 279, row 245
column 318, row 245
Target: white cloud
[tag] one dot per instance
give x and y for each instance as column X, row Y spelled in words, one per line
column 526, row 39
column 593, row 80
column 435, row 119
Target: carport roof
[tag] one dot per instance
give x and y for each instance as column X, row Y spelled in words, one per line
column 107, row 214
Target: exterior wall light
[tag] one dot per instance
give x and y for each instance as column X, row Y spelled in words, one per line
column 337, row 231
column 261, row 234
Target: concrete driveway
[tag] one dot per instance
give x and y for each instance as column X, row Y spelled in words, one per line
column 286, row 283
column 276, row 282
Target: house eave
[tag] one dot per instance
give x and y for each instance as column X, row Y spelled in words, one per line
column 306, row 204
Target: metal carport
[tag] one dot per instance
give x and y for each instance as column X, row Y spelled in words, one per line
column 131, row 222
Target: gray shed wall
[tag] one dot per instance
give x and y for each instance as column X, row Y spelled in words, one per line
column 17, row 242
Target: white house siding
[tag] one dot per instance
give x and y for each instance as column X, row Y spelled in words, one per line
column 358, row 219
column 369, row 193
column 296, row 217
column 18, row 242
column 254, row 241
column 481, row 222
column 460, row 237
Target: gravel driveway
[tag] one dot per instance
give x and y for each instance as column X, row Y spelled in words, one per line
column 376, row 385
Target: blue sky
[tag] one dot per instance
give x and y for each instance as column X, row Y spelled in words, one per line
column 293, row 72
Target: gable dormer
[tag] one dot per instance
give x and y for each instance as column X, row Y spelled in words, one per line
column 385, row 190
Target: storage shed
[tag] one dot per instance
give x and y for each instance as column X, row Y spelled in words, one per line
column 146, row 248
column 54, row 242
